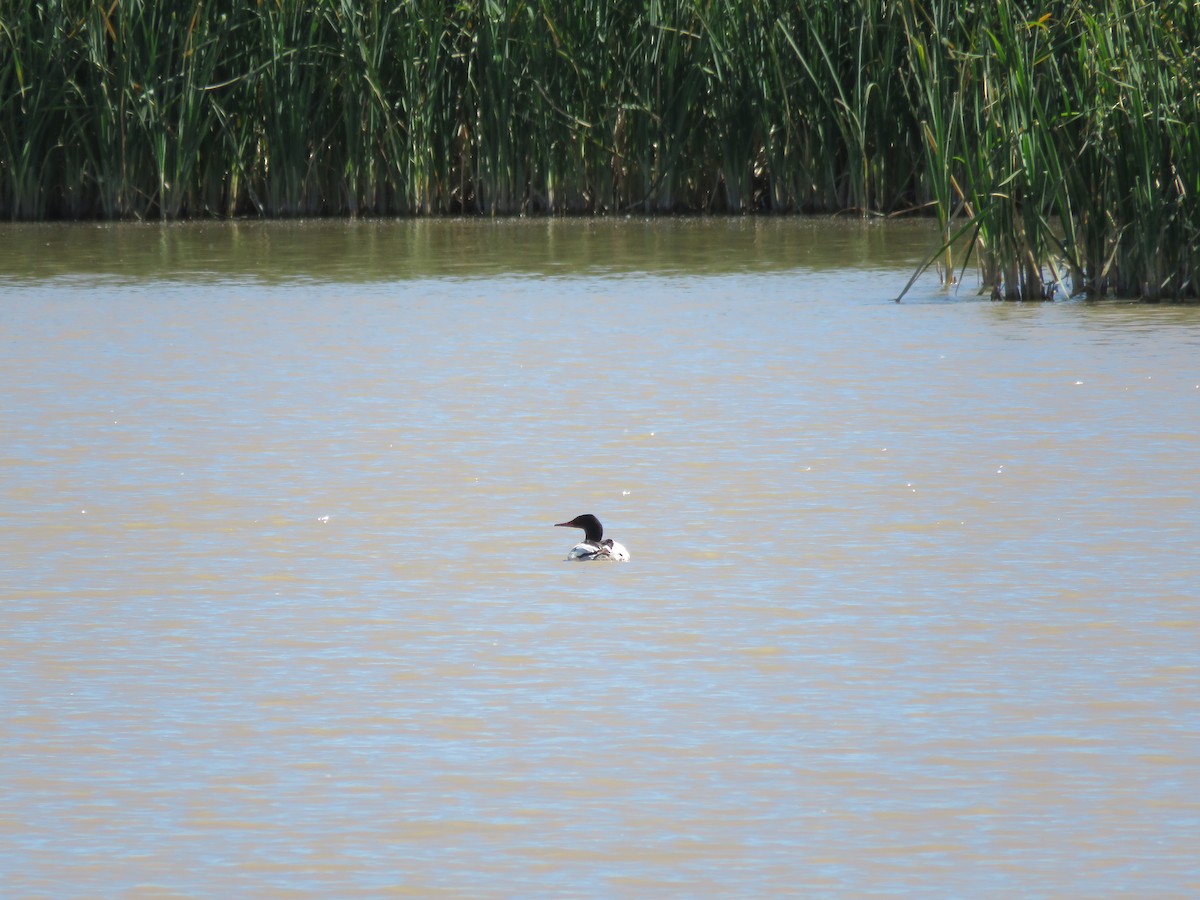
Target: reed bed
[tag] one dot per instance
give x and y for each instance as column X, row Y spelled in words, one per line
column 1060, row 140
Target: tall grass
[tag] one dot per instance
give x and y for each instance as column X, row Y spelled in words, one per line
column 1066, row 134
column 1061, row 138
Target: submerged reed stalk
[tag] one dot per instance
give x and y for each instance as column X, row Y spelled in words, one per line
column 1062, row 140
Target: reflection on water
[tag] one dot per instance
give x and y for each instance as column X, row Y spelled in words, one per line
column 912, row 606
column 390, row 250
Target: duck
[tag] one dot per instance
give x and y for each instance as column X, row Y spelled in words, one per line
column 594, row 544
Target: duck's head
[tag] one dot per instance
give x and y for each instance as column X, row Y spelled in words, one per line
column 592, row 529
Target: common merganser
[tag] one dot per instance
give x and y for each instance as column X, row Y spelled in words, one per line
column 594, row 545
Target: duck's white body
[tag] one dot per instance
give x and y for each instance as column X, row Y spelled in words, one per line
column 606, row 549
column 594, row 545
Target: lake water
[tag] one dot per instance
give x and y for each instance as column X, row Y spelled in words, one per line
column 913, row 607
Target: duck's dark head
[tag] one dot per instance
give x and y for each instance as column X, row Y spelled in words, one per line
column 592, row 529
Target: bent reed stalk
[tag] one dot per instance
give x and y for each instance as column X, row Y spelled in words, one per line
column 1062, row 138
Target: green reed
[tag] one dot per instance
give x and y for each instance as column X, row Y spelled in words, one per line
column 1059, row 140
column 1064, row 134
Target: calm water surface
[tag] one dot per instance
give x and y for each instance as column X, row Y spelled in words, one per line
column 912, row 610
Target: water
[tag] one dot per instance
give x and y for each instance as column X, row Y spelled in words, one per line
column 912, row 610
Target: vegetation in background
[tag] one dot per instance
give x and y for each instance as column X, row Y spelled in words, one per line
column 1062, row 139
